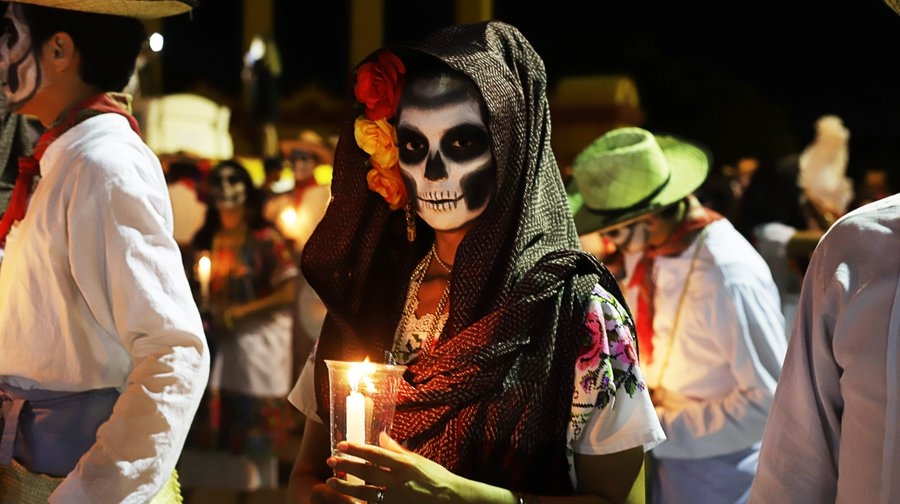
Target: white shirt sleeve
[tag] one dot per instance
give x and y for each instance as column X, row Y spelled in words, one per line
column 625, row 423
column 303, row 395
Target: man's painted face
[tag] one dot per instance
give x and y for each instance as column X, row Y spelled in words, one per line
column 445, row 155
column 632, row 238
column 19, row 68
column 304, row 164
column 229, row 189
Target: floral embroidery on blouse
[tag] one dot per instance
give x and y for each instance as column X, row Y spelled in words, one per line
column 606, row 363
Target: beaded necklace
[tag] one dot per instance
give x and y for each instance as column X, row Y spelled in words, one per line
column 447, row 267
column 409, row 313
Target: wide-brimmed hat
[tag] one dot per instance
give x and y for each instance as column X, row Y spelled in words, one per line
column 144, row 9
column 628, row 173
column 310, row 142
column 893, row 4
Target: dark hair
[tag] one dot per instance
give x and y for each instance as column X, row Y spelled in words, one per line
column 108, row 45
column 183, row 170
column 273, row 164
column 773, row 195
column 253, row 205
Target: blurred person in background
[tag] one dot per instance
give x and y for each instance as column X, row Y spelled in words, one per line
column 262, row 68
column 296, row 213
column 251, row 290
column 188, row 207
column 787, row 207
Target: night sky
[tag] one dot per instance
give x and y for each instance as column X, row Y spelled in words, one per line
column 743, row 78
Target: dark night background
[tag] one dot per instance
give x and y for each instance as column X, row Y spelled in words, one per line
column 743, row 78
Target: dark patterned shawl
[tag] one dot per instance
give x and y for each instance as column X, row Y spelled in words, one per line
column 492, row 399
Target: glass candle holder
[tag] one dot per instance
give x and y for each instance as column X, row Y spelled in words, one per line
column 363, row 399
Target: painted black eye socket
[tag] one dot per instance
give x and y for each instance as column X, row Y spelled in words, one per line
column 413, row 146
column 229, row 179
column 465, row 142
column 301, row 155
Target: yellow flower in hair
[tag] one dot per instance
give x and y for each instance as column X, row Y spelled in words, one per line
column 378, row 139
column 378, row 87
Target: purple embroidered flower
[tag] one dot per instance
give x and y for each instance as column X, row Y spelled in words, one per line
column 588, row 382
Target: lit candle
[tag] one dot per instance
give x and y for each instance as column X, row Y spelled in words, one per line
column 356, row 418
column 203, row 270
column 358, row 408
column 288, row 219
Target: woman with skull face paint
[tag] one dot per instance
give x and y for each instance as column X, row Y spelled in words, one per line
column 251, row 291
column 522, row 377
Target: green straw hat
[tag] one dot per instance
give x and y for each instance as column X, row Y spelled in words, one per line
column 628, row 173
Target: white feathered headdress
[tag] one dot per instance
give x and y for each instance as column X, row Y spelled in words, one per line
column 823, row 167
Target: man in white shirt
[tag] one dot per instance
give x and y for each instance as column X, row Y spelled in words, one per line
column 834, row 431
column 709, row 323
column 104, row 358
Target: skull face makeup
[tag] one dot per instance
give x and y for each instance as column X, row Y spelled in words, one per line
column 632, row 238
column 445, row 154
column 19, row 68
column 304, row 164
column 229, row 189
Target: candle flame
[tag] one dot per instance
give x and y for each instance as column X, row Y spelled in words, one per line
column 203, row 267
column 361, row 371
column 289, row 216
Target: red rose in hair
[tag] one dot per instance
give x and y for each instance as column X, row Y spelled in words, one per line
column 379, row 84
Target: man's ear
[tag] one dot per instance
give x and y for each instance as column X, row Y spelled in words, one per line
column 60, row 49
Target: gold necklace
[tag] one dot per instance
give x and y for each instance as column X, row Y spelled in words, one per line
column 412, row 304
column 447, row 267
column 684, row 289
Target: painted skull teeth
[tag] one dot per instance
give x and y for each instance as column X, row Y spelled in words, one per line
column 441, row 201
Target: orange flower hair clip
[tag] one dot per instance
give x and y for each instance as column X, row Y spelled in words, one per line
column 379, row 84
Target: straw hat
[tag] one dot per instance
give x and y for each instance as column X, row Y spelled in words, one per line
column 310, row 142
column 893, row 4
column 628, row 173
column 144, row 9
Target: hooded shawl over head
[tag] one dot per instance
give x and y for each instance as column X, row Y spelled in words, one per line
column 491, row 400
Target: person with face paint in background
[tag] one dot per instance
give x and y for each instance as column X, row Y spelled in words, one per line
column 709, row 322
column 104, row 359
column 18, row 134
column 251, row 292
column 448, row 248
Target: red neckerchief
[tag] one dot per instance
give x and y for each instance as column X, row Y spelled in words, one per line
column 698, row 217
column 30, row 167
column 301, row 188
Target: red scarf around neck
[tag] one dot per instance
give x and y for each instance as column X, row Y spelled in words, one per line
column 697, row 218
column 29, row 166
